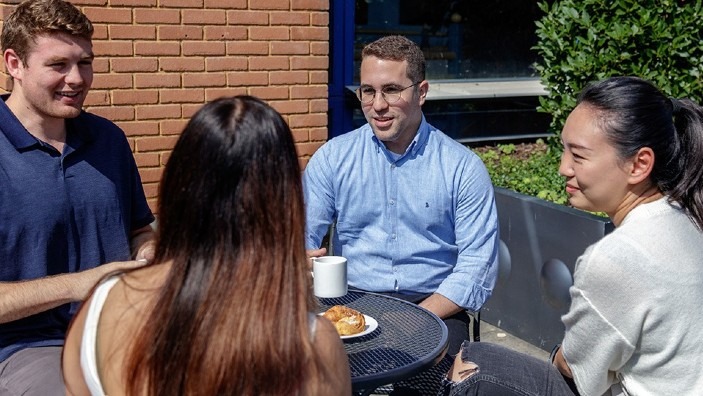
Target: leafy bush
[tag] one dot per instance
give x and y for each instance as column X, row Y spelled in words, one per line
column 531, row 169
column 586, row 40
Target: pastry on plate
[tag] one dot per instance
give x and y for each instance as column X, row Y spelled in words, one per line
column 346, row 320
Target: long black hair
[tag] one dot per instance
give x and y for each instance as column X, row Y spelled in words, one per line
column 635, row 114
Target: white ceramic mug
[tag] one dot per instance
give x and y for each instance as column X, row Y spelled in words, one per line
column 329, row 276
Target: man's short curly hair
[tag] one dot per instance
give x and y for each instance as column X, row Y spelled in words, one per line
column 398, row 48
column 33, row 18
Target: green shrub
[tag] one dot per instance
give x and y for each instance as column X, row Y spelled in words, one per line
column 531, row 169
column 581, row 41
column 527, row 169
column 586, row 40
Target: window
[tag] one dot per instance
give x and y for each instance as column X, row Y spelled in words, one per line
column 479, row 62
column 461, row 39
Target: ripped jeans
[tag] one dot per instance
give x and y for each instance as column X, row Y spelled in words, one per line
column 490, row 369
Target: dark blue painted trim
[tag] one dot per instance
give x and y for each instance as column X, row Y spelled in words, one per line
column 341, row 71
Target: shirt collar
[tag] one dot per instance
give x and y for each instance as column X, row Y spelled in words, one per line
column 13, row 129
column 77, row 131
column 417, row 143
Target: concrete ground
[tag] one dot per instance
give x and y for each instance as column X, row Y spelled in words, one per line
column 490, row 333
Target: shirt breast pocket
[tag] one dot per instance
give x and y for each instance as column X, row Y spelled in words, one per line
column 348, row 230
column 432, row 209
column 360, row 222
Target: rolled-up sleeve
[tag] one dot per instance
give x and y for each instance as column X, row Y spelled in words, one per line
column 477, row 238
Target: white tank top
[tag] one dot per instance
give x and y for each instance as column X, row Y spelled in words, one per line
column 89, row 357
column 89, row 344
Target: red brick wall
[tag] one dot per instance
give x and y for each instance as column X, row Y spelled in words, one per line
column 158, row 61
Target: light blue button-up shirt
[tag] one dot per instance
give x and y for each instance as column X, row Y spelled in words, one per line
column 422, row 222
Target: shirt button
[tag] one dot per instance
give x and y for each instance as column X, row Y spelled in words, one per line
column 392, row 166
column 393, row 236
column 392, row 202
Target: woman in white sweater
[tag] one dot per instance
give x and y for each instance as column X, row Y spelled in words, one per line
column 634, row 325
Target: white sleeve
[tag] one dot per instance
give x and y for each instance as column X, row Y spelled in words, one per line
column 604, row 322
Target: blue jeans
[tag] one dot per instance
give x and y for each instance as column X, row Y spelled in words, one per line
column 501, row 371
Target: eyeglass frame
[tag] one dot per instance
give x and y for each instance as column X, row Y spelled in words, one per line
column 383, row 94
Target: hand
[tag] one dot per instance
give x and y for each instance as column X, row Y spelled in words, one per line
column 146, row 252
column 142, row 243
column 561, row 364
column 123, row 265
column 86, row 280
column 314, row 253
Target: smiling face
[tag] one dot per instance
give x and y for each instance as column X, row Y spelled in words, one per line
column 54, row 81
column 394, row 124
column 596, row 180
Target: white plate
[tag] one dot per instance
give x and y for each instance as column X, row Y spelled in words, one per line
column 371, row 325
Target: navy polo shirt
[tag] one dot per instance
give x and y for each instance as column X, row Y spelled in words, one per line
column 63, row 212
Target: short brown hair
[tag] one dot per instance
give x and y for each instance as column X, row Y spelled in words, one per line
column 36, row 17
column 398, row 48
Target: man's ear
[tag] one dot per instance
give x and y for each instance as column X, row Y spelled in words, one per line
column 13, row 63
column 641, row 164
column 423, row 88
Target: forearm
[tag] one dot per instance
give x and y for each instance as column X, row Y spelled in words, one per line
column 440, row 306
column 22, row 299
column 25, row 298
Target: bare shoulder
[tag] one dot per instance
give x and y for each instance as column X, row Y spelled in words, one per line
column 326, row 335
column 331, row 351
column 127, row 307
column 135, row 291
column 129, row 300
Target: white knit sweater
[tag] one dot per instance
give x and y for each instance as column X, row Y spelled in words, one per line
column 635, row 326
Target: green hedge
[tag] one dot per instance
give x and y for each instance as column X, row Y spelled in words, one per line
column 580, row 41
column 534, row 173
column 585, row 40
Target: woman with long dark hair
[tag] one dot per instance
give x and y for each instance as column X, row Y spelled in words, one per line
column 633, row 327
column 227, row 307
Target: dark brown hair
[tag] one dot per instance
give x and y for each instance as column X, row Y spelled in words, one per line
column 634, row 114
column 399, row 48
column 232, row 316
column 36, row 17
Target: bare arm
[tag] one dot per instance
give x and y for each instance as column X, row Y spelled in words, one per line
column 24, row 298
column 334, row 357
column 440, row 306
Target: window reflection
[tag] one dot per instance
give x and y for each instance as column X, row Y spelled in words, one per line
column 461, row 39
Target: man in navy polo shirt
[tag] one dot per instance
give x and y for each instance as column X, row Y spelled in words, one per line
column 70, row 195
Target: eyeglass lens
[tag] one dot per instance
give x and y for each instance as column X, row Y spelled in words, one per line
column 390, row 94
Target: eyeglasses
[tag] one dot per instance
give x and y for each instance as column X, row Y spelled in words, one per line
column 390, row 94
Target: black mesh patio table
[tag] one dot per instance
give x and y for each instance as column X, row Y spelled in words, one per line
column 409, row 339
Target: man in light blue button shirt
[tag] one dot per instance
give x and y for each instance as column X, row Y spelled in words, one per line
column 414, row 209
